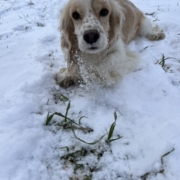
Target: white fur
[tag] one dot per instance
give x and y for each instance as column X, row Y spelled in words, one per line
column 110, row 69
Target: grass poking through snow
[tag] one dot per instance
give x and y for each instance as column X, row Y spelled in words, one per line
column 76, row 157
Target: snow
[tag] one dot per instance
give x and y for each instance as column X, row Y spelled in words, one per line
column 147, row 101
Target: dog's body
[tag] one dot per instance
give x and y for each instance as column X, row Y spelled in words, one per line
column 94, row 34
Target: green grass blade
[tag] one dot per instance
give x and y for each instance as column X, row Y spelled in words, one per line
column 111, row 130
column 115, row 139
column 72, row 121
column 90, row 143
column 66, row 119
column 81, row 119
column 166, row 154
column 49, row 118
column 115, row 116
column 163, row 60
column 66, row 147
column 63, row 98
column 67, row 109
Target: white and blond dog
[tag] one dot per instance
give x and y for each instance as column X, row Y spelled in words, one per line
column 93, row 38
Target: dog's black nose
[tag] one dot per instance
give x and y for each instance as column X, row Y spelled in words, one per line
column 91, row 36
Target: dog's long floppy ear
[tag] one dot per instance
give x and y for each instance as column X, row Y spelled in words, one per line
column 115, row 21
column 67, row 32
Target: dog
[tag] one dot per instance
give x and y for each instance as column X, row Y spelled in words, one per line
column 94, row 34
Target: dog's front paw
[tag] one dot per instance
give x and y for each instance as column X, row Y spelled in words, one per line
column 155, row 37
column 66, row 82
column 157, row 34
column 64, row 79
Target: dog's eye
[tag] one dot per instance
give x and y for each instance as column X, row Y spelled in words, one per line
column 76, row 15
column 103, row 12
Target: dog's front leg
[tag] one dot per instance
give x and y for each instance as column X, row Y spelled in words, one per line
column 67, row 77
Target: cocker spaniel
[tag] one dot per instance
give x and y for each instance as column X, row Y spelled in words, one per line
column 93, row 38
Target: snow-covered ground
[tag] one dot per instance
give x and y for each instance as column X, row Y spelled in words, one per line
column 147, row 102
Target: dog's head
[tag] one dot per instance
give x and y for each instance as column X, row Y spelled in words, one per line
column 91, row 24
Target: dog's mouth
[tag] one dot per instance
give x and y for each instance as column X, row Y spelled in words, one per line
column 93, row 48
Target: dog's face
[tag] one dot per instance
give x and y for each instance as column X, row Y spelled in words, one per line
column 92, row 22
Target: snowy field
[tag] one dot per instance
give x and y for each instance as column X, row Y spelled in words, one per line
column 147, row 103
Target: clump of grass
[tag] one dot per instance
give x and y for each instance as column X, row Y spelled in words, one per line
column 76, row 157
column 162, row 62
column 66, row 122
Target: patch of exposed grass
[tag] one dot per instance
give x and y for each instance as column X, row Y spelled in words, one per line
column 76, row 157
